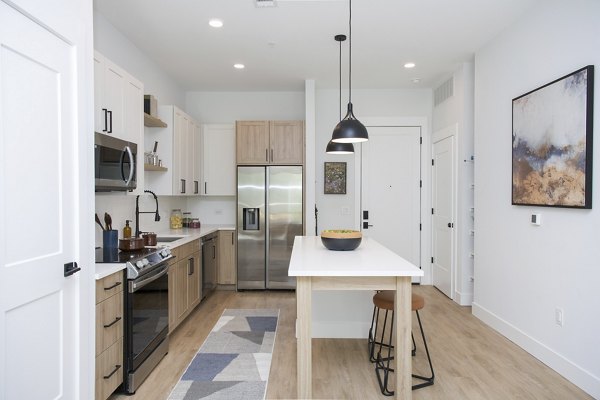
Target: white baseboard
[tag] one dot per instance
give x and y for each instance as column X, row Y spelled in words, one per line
column 577, row 375
column 464, row 299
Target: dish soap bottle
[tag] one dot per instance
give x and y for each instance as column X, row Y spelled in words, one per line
column 127, row 230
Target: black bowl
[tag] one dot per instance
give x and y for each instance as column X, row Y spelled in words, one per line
column 341, row 244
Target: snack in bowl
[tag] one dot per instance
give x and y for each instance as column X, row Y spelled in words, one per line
column 341, row 239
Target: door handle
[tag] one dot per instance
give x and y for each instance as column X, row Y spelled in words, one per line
column 191, row 266
column 205, row 191
column 182, row 186
column 271, row 155
column 366, row 225
column 267, row 155
column 195, row 187
column 105, row 120
column 450, row 225
column 110, row 129
column 71, row 268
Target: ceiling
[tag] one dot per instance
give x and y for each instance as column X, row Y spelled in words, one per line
column 282, row 46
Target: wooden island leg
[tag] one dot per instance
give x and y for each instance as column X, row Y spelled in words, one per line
column 402, row 330
column 304, row 336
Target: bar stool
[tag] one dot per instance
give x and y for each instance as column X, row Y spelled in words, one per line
column 384, row 300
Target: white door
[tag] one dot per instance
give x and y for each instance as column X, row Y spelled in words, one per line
column 390, row 192
column 442, row 203
column 38, row 211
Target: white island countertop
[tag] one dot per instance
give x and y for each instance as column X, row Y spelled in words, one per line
column 311, row 258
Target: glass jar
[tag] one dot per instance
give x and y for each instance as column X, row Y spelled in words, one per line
column 176, row 221
column 195, row 223
column 187, row 219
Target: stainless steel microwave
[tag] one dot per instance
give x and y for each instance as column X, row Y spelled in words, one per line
column 115, row 166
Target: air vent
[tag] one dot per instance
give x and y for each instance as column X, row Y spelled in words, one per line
column 265, row 3
column 443, row 92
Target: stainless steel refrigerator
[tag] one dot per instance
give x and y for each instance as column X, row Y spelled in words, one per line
column 269, row 217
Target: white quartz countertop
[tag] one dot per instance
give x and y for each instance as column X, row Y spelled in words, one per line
column 311, row 258
column 188, row 235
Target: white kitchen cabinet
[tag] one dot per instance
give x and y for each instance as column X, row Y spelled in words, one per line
column 177, row 148
column 119, row 107
column 218, row 160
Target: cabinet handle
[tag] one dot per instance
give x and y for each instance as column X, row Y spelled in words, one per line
column 110, row 129
column 232, row 239
column 267, row 155
column 205, row 190
column 183, row 186
column 113, row 372
column 271, row 155
column 191, row 266
column 195, row 187
column 105, row 120
column 113, row 286
column 112, row 323
column 214, row 252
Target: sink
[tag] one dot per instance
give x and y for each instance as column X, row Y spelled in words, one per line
column 168, row 239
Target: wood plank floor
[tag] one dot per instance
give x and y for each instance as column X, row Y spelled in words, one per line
column 471, row 361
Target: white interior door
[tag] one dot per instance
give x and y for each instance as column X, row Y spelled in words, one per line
column 38, row 211
column 390, row 189
column 442, row 203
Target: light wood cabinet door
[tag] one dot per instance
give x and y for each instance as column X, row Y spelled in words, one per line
column 109, row 322
column 178, row 307
column 227, row 262
column 194, row 280
column 109, row 370
column 287, row 142
column 252, row 142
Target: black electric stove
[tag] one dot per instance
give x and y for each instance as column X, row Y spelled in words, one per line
column 138, row 262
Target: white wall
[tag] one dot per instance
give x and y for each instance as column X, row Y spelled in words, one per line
column 112, row 44
column 456, row 113
column 228, row 107
column 523, row 272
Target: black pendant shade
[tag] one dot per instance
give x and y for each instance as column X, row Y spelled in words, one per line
column 350, row 130
column 339, row 148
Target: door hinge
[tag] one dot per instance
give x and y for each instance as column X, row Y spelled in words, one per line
column 432, row 162
column 432, row 260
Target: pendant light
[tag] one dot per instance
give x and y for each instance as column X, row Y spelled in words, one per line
column 350, row 129
column 332, row 147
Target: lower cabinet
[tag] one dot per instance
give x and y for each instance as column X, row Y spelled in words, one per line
column 227, row 271
column 185, row 282
column 109, row 334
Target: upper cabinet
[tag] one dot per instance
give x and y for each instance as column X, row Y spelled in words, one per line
column 119, row 106
column 179, row 150
column 270, row 142
column 218, row 160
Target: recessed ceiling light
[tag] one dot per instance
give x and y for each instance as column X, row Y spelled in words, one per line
column 239, row 66
column 409, row 65
column 215, row 23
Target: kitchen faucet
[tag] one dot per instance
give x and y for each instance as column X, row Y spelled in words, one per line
column 138, row 212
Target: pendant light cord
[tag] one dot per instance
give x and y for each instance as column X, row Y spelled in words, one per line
column 350, row 56
column 340, row 80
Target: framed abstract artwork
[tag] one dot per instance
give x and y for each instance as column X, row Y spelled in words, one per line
column 552, row 143
column 335, row 178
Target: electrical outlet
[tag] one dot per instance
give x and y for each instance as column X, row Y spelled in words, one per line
column 559, row 316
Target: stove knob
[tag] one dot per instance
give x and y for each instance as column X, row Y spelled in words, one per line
column 165, row 253
column 139, row 264
column 145, row 261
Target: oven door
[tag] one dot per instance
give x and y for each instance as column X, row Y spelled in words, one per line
column 147, row 317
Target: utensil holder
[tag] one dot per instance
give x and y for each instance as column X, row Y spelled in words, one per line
column 110, row 239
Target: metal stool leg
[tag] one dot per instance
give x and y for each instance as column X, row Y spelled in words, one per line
column 428, row 380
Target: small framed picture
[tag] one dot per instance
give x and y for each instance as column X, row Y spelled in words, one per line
column 335, row 178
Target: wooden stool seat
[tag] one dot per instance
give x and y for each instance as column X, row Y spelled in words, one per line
column 385, row 300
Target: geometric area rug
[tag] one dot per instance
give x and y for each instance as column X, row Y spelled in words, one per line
column 235, row 359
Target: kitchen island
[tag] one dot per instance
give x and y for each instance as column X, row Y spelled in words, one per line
column 370, row 267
